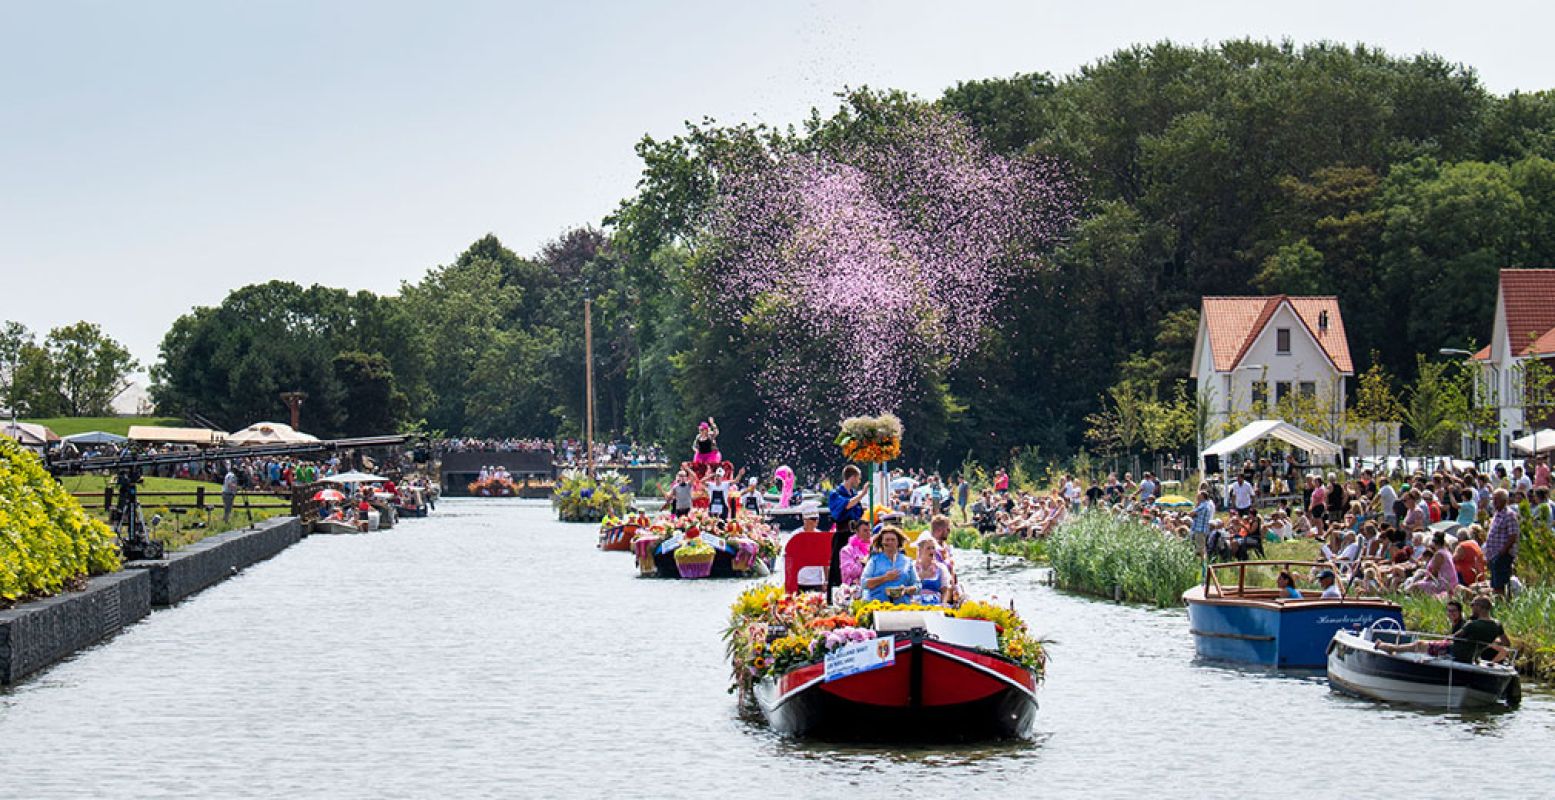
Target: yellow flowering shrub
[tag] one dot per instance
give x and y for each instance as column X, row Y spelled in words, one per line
column 46, row 538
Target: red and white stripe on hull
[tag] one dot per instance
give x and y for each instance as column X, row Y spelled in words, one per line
column 951, row 675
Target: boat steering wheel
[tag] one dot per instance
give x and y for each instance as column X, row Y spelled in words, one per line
column 1378, row 625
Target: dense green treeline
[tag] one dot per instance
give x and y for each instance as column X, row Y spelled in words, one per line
column 1400, row 184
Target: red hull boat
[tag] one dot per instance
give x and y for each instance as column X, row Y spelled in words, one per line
column 617, row 538
column 934, row 690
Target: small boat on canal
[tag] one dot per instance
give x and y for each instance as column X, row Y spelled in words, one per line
column 615, row 535
column 1362, row 664
column 880, row 670
column 698, row 545
column 1254, row 624
column 913, row 685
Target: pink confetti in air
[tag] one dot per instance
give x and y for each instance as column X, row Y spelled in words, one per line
column 867, row 267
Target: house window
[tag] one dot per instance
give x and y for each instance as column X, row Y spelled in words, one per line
column 1308, row 389
column 1260, row 393
column 1281, row 391
column 1282, row 341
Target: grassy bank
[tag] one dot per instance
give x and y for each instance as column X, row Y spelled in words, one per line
column 174, row 531
column 1098, row 554
column 69, row 426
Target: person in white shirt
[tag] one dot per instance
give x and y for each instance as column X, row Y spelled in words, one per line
column 1242, row 496
column 1072, row 492
column 1330, row 586
column 1386, row 497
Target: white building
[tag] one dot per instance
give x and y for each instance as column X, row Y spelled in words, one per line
column 1524, row 330
column 1251, row 353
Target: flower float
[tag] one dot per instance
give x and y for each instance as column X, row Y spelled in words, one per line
column 580, row 498
column 872, row 440
column 763, row 616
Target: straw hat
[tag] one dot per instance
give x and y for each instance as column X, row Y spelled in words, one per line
column 901, row 539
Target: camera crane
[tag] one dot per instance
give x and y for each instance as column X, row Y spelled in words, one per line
column 129, row 523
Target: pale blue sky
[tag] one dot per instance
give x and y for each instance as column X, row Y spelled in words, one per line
column 154, row 155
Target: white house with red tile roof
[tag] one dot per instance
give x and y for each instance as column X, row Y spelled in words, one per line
column 1255, row 349
column 1524, row 329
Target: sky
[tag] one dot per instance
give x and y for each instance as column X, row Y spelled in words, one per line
column 156, row 155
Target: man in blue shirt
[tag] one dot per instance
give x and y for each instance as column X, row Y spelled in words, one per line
column 846, row 505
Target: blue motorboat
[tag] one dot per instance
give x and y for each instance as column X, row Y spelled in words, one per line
column 1253, row 624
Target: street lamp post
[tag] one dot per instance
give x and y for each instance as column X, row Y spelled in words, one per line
column 1472, row 404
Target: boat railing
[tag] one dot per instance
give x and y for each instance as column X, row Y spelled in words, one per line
column 1213, row 587
column 1396, row 634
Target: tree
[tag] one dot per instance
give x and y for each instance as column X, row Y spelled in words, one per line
column 91, row 368
column 1537, row 380
column 231, row 362
column 1376, row 407
column 15, row 340
column 1428, row 407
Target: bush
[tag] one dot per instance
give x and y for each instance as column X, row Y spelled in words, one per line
column 1095, row 552
column 46, row 539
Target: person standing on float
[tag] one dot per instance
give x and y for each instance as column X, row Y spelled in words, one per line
column 846, row 505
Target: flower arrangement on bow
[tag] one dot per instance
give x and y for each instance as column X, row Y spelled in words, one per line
column 492, row 487
column 871, row 439
column 579, row 498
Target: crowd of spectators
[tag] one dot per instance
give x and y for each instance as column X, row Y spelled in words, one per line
column 564, row 452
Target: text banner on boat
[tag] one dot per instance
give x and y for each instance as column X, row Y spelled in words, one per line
column 856, row 657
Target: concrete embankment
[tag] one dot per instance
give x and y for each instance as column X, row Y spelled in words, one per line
column 40, row 633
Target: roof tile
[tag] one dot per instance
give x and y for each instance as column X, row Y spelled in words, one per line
column 1529, row 297
column 1233, row 324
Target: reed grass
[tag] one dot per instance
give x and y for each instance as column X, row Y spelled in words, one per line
column 1099, row 554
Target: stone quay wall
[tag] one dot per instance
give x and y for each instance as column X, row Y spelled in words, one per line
column 38, row 634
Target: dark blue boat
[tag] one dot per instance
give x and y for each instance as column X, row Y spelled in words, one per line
column 1254, row 625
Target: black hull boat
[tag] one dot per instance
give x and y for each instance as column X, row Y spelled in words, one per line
column 1356, row 666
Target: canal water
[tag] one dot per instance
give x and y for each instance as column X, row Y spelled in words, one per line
column 489, row 651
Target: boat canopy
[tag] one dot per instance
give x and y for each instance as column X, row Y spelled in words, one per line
column 1261, row 429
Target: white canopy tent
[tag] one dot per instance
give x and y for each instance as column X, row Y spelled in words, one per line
column 28, row 434
column 354, row 477
column 1542, row 439
column 1315, row 446
column 270, row 433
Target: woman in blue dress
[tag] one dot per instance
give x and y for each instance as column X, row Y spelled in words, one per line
column 889, row 574
column 933, row 577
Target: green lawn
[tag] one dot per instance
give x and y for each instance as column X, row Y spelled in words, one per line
column 69, row 426
column 175, row 530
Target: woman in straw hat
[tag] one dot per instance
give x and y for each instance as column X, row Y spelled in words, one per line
column 889, row 575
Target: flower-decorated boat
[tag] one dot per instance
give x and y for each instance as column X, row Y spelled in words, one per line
column 880, row 671
column 581, row 498
column 698, row 545
column 495, row 486
column 616, row 533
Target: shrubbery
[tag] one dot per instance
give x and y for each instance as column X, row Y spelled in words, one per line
column 1096, row 552
column 46, row 538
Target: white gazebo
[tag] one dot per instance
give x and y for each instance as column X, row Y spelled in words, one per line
column 1540, row 441
column 1315, row 446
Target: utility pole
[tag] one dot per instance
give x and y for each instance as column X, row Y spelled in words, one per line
column 293, row 401
column 588, row 379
